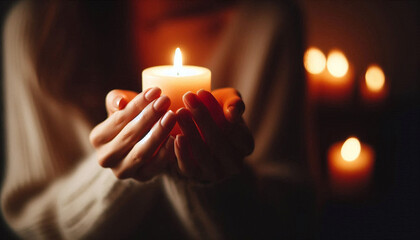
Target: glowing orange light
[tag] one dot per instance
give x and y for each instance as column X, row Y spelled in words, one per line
column 350, row 149
column 375, row 78
column 337, row 64
column 314, row 60
column 178, row 60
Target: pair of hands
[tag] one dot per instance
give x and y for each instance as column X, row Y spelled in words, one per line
column 134, row 140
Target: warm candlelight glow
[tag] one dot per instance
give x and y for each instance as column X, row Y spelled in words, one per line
column 350, row 165
column 175, row 80
column 337, row 64
column 350, row 149
column 375, row 78
column 178, row 60
column 314, row 60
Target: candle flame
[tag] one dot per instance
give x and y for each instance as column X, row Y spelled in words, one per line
column 375, row 78
column 314, row 60
column 350, row 149
column 178, row 60
column 337, row 64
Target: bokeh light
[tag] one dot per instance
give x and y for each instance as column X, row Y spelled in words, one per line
column 337, row 63
column 375, row 78
column 350, row 149
column 314, row 60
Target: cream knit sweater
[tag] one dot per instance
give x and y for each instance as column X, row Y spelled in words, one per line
column 54, row 188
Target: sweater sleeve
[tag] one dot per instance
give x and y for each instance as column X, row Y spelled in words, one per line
column 53, row 186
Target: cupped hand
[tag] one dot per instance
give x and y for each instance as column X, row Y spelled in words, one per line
column 214, row 139
column 133, row 141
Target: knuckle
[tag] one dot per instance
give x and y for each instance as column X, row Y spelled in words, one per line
column 138, row 158
column 104, row 158
column 93, row 138
column 121, row 174
column 127, row 136
column 138, row 102
column 103, row 162
column 118, row 118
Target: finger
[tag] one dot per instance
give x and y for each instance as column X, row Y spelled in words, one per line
column 168, row 152
column 142, row 155
column 233, row 109
column 239, row 134
column 186, row 165
column 202, row 117
column 231, row 101
column 133, row 132
column 199, row 151
column 109, row 128
column 214, row 107
column 187, row 125
column 211, row 133
column 159, row 164
column 117, row 100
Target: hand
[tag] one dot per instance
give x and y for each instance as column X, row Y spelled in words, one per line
column 214, row 140
column 133, row 141
column 231, row 102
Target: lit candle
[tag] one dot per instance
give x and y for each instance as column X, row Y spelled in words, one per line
column 350, row 167
column 374, row 87
column 329, row 79
column 175, row 80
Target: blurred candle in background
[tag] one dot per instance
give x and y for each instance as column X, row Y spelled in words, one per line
column 315, row 63
column 350, row 166
column 373, row 87
column 329, row 79
column 337, row 64
column 339, row 82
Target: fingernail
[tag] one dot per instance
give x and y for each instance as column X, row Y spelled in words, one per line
column 231, row 109
column 120, row 103
column 201, row 91
column 191, row 100
column 161, row 104
column 168, row 120
column 238, row 109
column 152, row 93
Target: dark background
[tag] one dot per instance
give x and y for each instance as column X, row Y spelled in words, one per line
column 383, row 32
column 386, row 33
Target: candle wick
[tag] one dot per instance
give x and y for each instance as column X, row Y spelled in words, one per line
column 177, row 73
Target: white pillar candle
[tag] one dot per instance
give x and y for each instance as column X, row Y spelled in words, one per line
column 176, row 80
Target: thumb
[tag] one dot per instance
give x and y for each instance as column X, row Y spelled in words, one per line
column 117, row 100
column 231, row 102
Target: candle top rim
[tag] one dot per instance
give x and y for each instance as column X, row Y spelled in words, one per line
column 170, row 71
column 167, row 65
